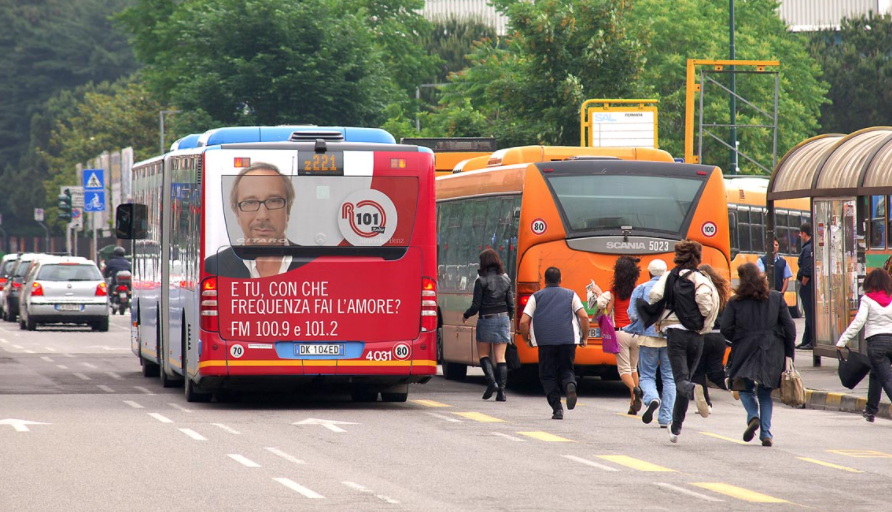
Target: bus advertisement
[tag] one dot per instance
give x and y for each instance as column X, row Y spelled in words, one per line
column 301, row 253
column 576, row 213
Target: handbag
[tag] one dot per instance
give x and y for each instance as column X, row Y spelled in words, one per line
column 512, row 358
column 852, row 370
column 609, row 342
column 792, row 390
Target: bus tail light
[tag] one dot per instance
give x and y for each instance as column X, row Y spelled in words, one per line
column 208, row 308
column 524, row 292
column 428, row 304
column 36, row 290
column 101, row 290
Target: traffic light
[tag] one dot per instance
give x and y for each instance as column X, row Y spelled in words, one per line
column 65, row 204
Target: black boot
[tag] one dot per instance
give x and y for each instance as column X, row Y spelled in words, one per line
column 490, row 374
column 502, row 377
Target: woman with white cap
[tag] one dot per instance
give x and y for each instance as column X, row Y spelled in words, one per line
column 653, row 354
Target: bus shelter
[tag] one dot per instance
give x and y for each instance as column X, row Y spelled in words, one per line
column 848, row 179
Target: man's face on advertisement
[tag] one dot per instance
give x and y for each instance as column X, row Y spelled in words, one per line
column 262, row 207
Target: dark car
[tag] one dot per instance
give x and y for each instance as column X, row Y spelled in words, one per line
column 13, row 287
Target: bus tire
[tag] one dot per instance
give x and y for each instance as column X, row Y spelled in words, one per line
column 454, row 371
column 149, row 369
column 194, row 393
column 611, row 374
column 363, row 395
column 394, row 397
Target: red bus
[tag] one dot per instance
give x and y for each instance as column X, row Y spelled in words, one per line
column 280, row 255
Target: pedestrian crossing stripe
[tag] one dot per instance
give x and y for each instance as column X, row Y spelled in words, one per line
column 479, row 416
column 545, row 436
column 739, row 492
column 93, row 181
column 634, row 463
column 862, row 454
column 829, row 465
column 723, row 438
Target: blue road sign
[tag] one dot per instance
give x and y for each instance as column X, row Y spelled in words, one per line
column 94, row 180
column 94, row 201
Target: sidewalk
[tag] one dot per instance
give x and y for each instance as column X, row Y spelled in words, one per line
column 824, row 391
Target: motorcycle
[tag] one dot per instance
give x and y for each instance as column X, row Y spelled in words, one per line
column 120, row 296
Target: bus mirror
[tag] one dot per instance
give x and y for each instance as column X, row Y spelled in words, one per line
column 517, row 213
column 734, row 253
column 131, row 221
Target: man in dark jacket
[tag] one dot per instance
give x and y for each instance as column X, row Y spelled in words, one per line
column 806, row 286
column 559, row 323
column 116, row 264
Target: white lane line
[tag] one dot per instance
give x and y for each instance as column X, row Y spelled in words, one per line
column 366, row 490
column 180, row 407
column 89, row 365
column 4, row 340
column 49, row 349
column 294, row 486
column 81, row 376
column 47, row 359
column 226, row 428
column 17, row 346
column 114, row 375
column 61, row 366
column 244, row 461
column 105, row 388
column 144, row 390
column 68, row 355
column 162, row 419
column 689, row 492
column 446, row 418
column 193, row 434
column 506, row 436
column 589, row 463
column 29, row 351
column 133, row 404
column 280, row 453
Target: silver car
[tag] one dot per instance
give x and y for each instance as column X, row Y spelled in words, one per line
column 64, row 290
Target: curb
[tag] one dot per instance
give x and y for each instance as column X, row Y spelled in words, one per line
column 842, row 402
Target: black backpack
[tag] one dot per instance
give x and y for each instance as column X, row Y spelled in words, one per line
column 681, row 299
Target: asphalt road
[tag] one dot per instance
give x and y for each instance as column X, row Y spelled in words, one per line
column 105, row 438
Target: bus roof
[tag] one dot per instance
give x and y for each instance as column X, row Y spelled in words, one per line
column 187, row 142
column 535, row 154
column 237, row 134
column 752, row 190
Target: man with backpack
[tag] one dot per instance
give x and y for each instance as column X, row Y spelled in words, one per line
column 688, row 304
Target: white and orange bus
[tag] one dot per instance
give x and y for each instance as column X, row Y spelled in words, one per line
column 574, row 208
column 282, row 255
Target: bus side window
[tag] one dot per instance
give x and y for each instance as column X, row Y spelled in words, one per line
column 757, row 221
column 732, row 232
column 743, row 230
column 781, row 232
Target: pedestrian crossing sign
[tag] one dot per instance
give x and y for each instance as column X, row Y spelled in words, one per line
column 94, row 179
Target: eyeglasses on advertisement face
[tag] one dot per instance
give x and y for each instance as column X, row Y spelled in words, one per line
column 252, row 205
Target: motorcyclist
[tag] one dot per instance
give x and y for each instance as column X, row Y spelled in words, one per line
column 116, row 264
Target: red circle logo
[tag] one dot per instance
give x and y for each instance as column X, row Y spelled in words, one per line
column 709, row 229
column 539, row 226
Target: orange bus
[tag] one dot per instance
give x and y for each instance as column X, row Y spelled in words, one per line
column 450, row 152
column 540, row 207
column 746, row 221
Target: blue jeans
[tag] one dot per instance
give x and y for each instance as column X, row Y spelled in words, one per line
column 761, row 409
column 649, row 358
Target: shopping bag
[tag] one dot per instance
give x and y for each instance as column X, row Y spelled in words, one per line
column 852, row 370
column 792, row 390
column 512, row 358
column 608, row 335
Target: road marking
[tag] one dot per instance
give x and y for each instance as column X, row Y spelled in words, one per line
column 47, row 359
column 479, row 416
column 506, row 436
column 3, row 340
column 829, row 465
column 739, row 492
column 21, row 425
column 114, row 375
column 49, row 349
column 29, row 351
column 159, row 417
column 89, row 365
column 244, row 461
column 81, row 376
column 545, row 436
column 280, row 453
column 687, row 491
column 226, row 428
column 430, row 403
column 445, row 418
column 62, row 366
column 66, row 354
column 589, row 463
column 180, row 407
column 105, row 388
column 366, row 490
column 144, row 390
column 723, row 438
column 329, row 424
column 294, row 486
column 631, row 462
column 862, row 454
column 17, row 346
column 627, row 415
column 193, row 434
column 133, row 404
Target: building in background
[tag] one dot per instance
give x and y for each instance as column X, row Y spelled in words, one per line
column 478, row 9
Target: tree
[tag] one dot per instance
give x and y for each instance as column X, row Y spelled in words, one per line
column 698, row 29
column 856, row 63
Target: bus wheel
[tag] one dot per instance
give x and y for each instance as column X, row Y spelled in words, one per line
column 363, row 394
column 149, row 369
column 193, row 393
column 440, row 346
column 394, row 397
column 455, row 371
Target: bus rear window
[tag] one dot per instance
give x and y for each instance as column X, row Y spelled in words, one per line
column 593, row 203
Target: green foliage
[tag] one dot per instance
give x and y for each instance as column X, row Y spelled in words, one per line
column 856, row 64
column 452, row 39
column 698, row 29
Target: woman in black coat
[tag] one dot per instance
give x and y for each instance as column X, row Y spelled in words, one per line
column 762, row 335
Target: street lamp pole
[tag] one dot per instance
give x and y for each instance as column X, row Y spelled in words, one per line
column 733, row 141
column 161, row 117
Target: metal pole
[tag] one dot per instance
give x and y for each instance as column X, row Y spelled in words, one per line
column 68, row 239
column 776, row 115
column 733, row 112
column 46, row 239
column 700, row 134
column 417, row 108
column 95, row 238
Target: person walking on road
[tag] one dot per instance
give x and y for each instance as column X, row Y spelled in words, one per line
column 807, row 287
column 615, row 302
column 782, row 272
column 653, row 354
column 494, row 301
column 712, row 360
column 690, row 305
column 555, row 320
column 762, row 334
column 875, row 317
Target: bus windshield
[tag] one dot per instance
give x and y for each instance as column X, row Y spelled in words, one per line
column 601, row 202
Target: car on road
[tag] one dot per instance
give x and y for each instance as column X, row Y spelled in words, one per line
column 7, row 264
column 67, row 290
column 12, row 289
